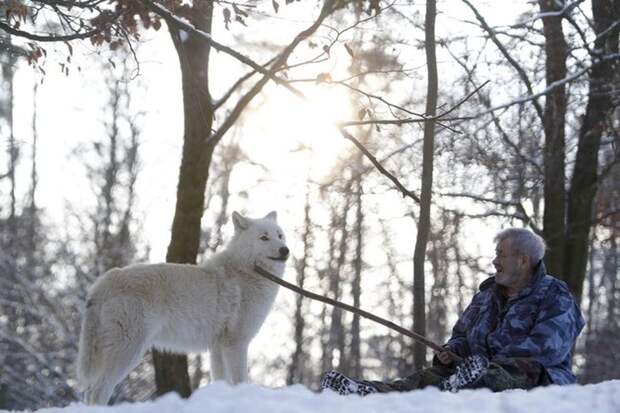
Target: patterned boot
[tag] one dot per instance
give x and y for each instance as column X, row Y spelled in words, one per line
column 344, row 385
column 468, row 372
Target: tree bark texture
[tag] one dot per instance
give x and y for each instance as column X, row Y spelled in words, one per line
column 171, row 370
column 580, row 212
column 554, row 215
column 419, row 315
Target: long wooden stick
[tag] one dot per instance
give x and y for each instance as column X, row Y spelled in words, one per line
column 358, row 311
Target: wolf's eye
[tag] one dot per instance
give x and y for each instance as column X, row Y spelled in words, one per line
column 264, row 238
column 280, row 236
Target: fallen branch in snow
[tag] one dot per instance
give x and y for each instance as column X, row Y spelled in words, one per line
column 355, row 310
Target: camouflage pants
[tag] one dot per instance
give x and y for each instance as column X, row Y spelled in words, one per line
column 503, row 374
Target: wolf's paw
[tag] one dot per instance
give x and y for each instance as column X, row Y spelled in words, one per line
column 344, row 385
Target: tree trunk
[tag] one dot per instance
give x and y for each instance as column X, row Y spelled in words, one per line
column 436, row 320
column 103, row 232
column 337, row 330
column 171, row 370
column 336, row 338
column 554, row 215
column 327, row 340
column 295, row 370
column 337, row 255
column 232, row 154
column 459, row 264
column 13, row 155
column 419, row 314
column 355, row 361
column 595, row 122
column 33, row 218
column 610, row 271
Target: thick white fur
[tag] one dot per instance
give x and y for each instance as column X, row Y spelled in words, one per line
column 219, row 306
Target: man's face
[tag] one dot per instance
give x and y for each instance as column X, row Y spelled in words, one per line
column 508, row 266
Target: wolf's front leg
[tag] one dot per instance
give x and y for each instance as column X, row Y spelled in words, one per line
column 236, row 362
column 217, row 363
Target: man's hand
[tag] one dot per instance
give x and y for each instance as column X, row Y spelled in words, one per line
column 445, row 357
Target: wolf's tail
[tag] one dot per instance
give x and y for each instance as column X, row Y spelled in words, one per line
column 89, row 353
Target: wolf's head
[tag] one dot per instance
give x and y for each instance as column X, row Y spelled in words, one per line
column 259, row 241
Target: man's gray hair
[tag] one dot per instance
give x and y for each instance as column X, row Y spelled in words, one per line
column 523, row 241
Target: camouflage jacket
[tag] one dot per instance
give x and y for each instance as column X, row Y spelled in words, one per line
column 540, row 324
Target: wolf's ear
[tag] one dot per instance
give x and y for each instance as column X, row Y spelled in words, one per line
column 240, row 222
column 273, row 215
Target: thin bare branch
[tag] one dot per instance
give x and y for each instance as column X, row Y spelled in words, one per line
column 219, row 102
column 58, row 38
column 279, row 61
column 324, row 55
column 378, row 165
column 395, row 121
column 465, row 99
column 549, row 88
column 495, row 118
column 183, row 25
column 522, row 213
column 522, row 75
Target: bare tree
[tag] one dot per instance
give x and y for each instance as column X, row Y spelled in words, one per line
column 356, row 285
column 299, row 358
column 554, row 118
column 339, row 249
column 596, row 123
column 419, row 256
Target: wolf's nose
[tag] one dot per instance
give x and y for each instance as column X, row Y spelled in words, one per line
column 284, row 251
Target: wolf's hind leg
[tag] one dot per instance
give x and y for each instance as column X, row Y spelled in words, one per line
column 124, row 343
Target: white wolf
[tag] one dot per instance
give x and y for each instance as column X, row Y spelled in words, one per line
column 219, row 306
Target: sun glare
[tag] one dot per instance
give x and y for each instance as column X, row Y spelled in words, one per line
column 306, row 124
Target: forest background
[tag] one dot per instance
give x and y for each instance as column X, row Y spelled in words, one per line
column 112, row 114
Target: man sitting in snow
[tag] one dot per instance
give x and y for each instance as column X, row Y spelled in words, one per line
column 517, row 332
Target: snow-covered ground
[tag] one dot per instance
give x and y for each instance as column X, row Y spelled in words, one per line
column 247, row 398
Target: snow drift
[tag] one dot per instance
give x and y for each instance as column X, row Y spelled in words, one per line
column 220, row 397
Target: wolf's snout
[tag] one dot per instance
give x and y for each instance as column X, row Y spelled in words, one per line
column 283, row 253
